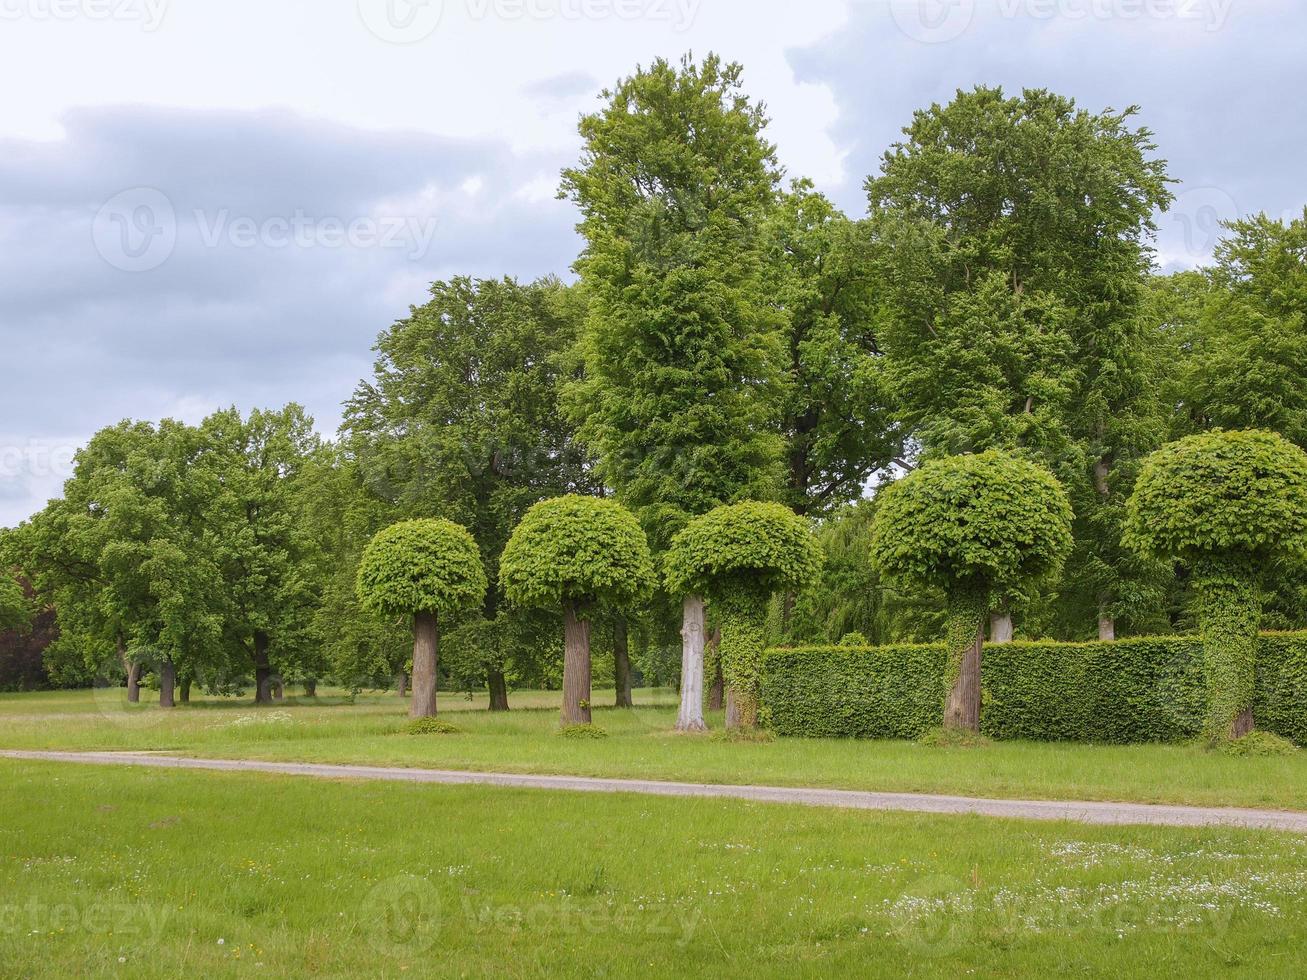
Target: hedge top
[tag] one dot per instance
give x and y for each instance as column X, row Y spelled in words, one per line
column 429, row 565
column 1221, row 493
column 749, row 546
column 576, row 549
column 981, row 521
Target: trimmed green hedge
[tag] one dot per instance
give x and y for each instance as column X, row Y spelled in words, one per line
column 1148, row 689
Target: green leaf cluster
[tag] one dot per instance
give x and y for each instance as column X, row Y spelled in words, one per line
column 427, row 565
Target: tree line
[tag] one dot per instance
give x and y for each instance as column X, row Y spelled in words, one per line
column 730, row 336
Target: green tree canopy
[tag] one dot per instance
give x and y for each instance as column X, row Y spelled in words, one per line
column 427, row 565
column 578, row 551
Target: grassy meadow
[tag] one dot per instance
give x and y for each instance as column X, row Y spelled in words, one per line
column 641, row 744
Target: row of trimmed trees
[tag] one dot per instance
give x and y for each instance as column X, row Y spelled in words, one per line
column 574, row 554
column 1229, row 507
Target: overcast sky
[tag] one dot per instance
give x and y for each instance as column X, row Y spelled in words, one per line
column 216, row 202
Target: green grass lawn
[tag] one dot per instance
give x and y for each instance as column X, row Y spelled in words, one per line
column 641, row 744
column 145, row 873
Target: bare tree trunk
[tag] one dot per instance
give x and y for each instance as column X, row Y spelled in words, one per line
column 1000, row 626
column 278, row 689
column 690, row 717
column 262, row 669
column 184, row 690
column 717, row 692
column 310, row 687
column 621, row 663
column 401, row 683
column 498, row 686
column 426, row 660
column 576, row 667
column 1106, row 627
column 167, row 682
column 133, row 673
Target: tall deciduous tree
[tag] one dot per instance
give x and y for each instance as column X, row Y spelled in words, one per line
column 1013, row 240
column 683, row 381
column 461, row 420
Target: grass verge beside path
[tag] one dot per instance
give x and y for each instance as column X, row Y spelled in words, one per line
column 164, row 873
column 641, row 745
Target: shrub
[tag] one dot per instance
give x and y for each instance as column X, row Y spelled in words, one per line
column 854, row 639
column 1226, row 504
column 738, row 555
column 584, row 731
column 1149, row 689
column 1258, row 744
column 430, row 726
column 983, row 528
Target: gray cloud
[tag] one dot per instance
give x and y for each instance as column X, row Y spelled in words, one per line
column 293, row 242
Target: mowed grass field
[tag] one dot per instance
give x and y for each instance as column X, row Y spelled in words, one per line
column 641, row 744
column 150, row 873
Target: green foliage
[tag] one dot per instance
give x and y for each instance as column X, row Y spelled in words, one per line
column 15, row 610
column 674, row 182
column 751, row 548
column 1150, row 689
column 988, row 522
column 853, row 640
column 1217, row 493
column 425, row 565
column 430, row 726
column 581, row 732
column 578, row 550
column 1258, row 745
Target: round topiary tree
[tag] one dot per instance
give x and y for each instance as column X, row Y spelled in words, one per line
column 426, row 569
column 571, row 553
column 1226, row 505
column 738, row 556
column 980, row 527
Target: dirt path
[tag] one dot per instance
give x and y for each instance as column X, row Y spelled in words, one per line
column 1081, row 811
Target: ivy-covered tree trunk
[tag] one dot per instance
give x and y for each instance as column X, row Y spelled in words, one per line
column 621, row 663
column 426, row 642
column 713, row 661
column 1229, row 615
column 744, row 630
column 576, row 667
column 167, row 683
column 964, row 639
column 498, row 687
column 690, row 717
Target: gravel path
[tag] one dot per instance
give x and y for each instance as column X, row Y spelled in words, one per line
column 1082, row 811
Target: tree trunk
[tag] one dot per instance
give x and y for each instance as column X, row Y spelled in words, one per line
column 966, row 636
column 1000, row 626
column 690, row 717
column 401, row 683
column 576, row 667
column 167, row 682
column 278, row 690
column 184, row 690
column 426, row 660
column 717, row 692
column 621, row 663
column 133, row 673
column 262, row 669
column 498, row 686
column 1106, row 627
column 310, row 687
column 1229, row 615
